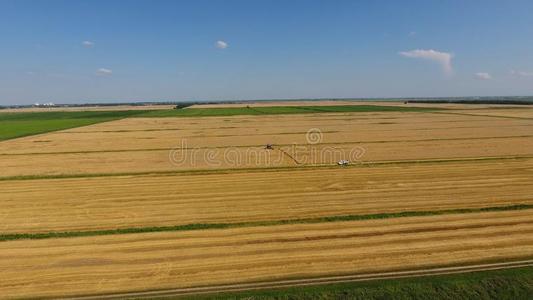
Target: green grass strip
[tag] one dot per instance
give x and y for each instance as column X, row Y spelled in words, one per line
column 21, row 124
column 203, row 226
column 278, row 110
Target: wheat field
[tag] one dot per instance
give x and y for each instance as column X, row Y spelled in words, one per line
column 136, row 145
column 133, row 201
column 167, row 260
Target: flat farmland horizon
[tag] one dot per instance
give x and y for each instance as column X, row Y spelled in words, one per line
column 266, row 150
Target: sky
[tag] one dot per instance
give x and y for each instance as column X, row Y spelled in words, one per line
column 119, row 51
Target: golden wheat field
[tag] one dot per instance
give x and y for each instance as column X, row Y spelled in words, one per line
column 107, row 264
column 470, row 166
column 133, row 201
column 173, row 144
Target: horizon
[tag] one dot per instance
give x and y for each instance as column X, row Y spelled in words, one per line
column 83, row 52
column 44, row 104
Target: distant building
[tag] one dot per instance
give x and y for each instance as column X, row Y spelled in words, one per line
column 47, row 104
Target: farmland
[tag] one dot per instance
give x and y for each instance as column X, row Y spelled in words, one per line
column 31, row 122
column 99, row 202
column 141, row 145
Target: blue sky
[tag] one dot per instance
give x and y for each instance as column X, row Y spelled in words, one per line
column 101, row 51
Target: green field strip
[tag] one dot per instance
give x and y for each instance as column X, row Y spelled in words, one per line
column 204, row 226
column 17, row 125
column 278, row 110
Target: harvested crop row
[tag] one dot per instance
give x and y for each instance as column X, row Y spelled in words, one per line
column 231, row 142
column 206, row 226
column 141, row 133
column 257, row 157
column 167, row 260
column 139, row 201
column 220, row 138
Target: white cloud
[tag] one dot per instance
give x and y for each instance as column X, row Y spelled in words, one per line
column 443, row 58
column 412, row 33
column 521, row 73
column 104, row 71
column 483, row 76
column 87, row 44
column 221, row 44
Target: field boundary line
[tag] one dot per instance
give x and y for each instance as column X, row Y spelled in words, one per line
column 475, row 115
column 268, row 169
column 205, row 226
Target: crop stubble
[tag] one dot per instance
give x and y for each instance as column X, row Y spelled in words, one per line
column 146, row 144
column 164, row 260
